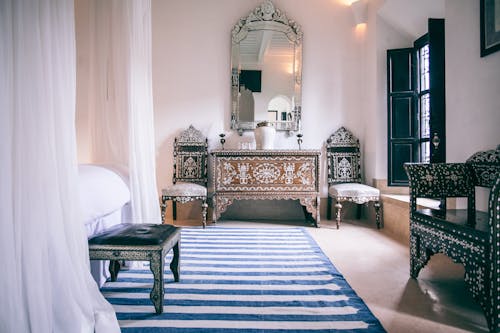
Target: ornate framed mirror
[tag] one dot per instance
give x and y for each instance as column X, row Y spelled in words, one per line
column 266, row 70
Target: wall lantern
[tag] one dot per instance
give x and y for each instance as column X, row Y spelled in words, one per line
column 359, row 11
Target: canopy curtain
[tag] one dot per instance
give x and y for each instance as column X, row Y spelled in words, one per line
column 120, row 98
column 46, row 284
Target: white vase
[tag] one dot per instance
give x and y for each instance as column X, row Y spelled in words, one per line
column 264, row 135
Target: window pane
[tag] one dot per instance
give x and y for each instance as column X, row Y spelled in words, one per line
column 425, row 116
column 425, row 110
column 424, row 67
column 425, row 152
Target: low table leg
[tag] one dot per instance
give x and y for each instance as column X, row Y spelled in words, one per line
column 157, row 293
column 114, row 268
column 175, row 263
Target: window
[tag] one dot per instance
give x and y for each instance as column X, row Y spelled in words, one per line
column 416, row 103
column 424, row 102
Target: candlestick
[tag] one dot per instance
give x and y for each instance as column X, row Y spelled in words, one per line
column 222, row 140
column 299, row 139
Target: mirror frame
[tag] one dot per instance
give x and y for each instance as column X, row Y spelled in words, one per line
column 266, row 17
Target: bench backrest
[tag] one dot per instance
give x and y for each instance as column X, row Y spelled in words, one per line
column 441, row 181
column 486, row 167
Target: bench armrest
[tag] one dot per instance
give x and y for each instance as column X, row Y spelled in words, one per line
column 494, row 255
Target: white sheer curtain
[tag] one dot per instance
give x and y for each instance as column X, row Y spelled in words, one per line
column 120, row 98
column 45, row 285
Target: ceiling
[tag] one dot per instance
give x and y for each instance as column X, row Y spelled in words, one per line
column 261, row 43
column 410, row 16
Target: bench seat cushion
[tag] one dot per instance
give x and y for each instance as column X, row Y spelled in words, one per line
column 134, row 234
column 454, row 221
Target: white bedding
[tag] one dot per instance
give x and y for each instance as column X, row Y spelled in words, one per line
column 102, row 191
column 105, row 202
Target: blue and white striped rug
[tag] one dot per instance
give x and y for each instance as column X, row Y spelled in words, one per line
column 244, row 280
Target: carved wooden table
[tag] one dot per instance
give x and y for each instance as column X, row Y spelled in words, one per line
column 140, row 242
column 266, row 174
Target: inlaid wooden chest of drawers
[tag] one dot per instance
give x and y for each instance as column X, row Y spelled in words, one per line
column 266, row 174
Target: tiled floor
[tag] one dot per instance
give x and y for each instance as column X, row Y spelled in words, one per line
column 377, row 267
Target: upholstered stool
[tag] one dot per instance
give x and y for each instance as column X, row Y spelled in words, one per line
column 190, row 173
column 353, row 192
column 344, row 175
column 139, row 242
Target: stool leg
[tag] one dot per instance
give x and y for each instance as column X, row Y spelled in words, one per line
column 338, row 206
column 318, row 214
column 204, row 207
column 175, row 264
column 214, row 210
column 114, row 268
column 174, row 209
column 157, row 293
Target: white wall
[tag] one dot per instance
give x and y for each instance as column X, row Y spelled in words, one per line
column 344, row 77
column 472, row 85
column 381, row 36
column 83, row 35
column 191, row 70
column 472, row 88
column 386, row 38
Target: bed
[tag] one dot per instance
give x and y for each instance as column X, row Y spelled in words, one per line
column 105, row 202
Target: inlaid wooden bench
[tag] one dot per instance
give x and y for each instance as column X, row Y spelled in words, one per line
column 467, row 236
column 139, row 242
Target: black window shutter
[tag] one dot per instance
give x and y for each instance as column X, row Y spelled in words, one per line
column 402, row 128
column 437, row 89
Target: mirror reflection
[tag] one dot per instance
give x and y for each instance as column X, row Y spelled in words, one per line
column 266, row 70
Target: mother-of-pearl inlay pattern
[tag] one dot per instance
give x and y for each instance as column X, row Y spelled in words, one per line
column 266, row 174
